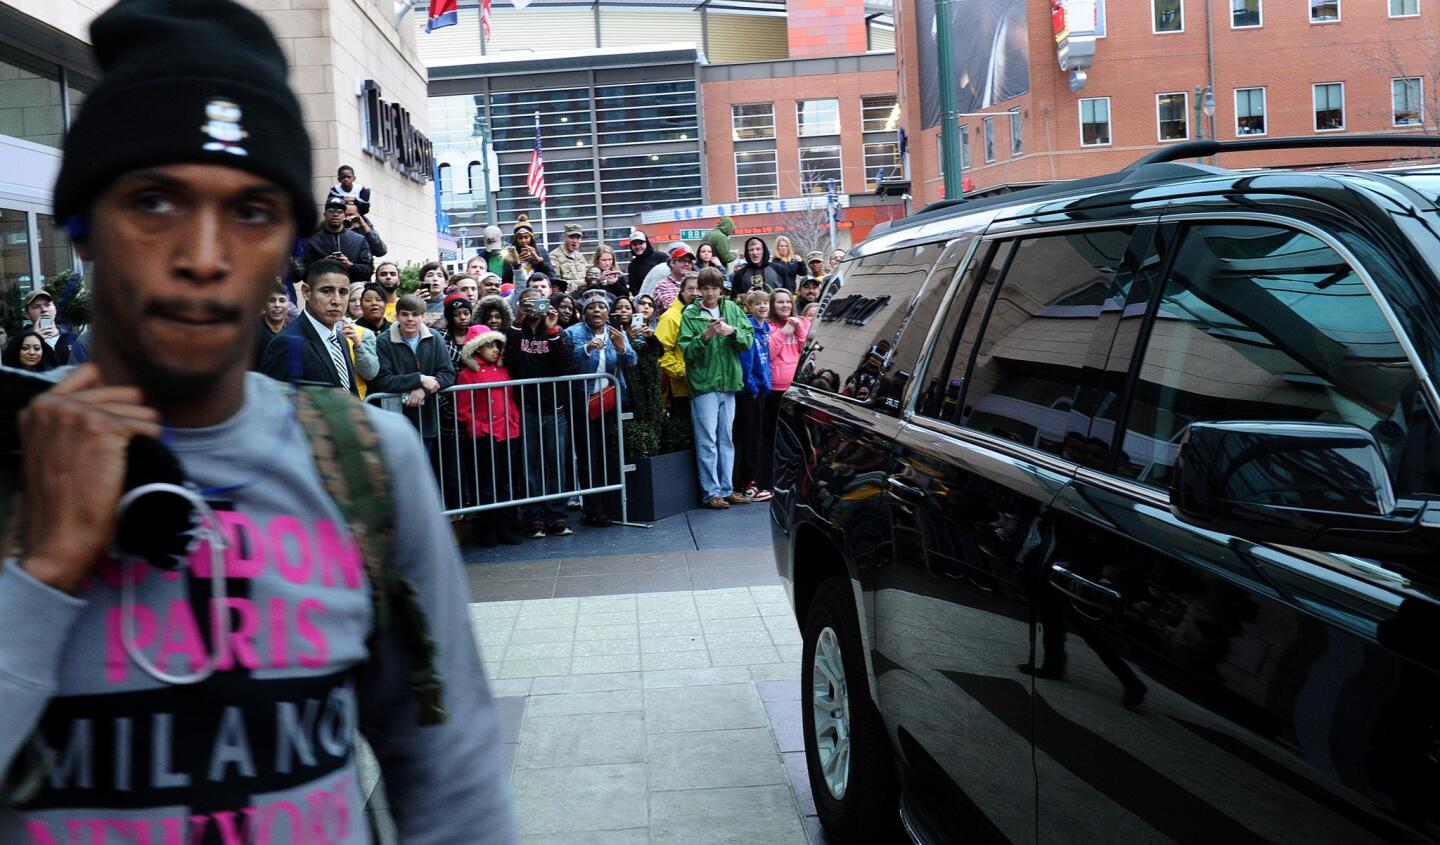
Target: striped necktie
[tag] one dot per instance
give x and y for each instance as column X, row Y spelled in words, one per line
column 337, row 356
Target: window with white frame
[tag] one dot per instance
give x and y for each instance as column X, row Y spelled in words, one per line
column 1168, row 15
column 882, row 161
column 817, row 117
column 1245, row 14
column 1249, row 111
column 1324, row 11
column 1172, row 113
column 752, row 121
column 818, row 165
column 1329, row 106
column 879, row 114
column 989, row 139
column 756, row 175
column 964, row 147
column 1017, row 139
column 1406, row 107
column 1094, row 121
column 1404, row 8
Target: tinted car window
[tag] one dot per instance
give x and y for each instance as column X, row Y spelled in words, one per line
column 1036, row 333
column 1260, row 322
column 862, row 345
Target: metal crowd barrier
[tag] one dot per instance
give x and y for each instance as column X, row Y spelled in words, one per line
column 539, row 463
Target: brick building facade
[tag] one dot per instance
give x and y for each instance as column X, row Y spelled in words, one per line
column 1358, row 67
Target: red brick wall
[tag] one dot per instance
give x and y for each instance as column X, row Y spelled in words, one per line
column 1286, row 55
column 825, row 27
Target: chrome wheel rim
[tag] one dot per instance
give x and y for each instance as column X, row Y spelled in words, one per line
column 830, row 700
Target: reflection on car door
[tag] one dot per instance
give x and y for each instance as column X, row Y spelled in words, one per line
column 974, row 472
column 1206, row 688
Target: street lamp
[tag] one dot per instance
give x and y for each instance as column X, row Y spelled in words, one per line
column 1204, row 104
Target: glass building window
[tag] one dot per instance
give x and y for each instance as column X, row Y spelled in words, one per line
column 752, row 121
column 1094, row 121
column 1329, row 106
column 564, row 120
column 1172, row 112
column 647, row 112
column 1404, row 8
column 1406, row 107
column 1168, row 16
column 817, row 117
column 1249, row 111
column 31, row 108
column 15, row 272
column 989, row 139
column 56, row 252
column 1244, row 13
column 1017, row 140
column 879, row 114
column 818, row 166
column 1324, row 11
column 79, row 88
column 757, row 175
column 447, row 182
column 965, row 148
column 631, row 184
column 882, row 161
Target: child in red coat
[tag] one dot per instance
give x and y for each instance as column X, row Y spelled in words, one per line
column 493, row 420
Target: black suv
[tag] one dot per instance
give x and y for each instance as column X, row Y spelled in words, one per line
column 1110, row 512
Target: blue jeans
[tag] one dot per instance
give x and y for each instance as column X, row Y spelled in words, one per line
column 549, row 466
column 711, row 417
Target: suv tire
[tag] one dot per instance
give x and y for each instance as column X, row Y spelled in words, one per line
column 867, row 810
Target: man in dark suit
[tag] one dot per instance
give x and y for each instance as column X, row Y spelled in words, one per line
column 318, row 340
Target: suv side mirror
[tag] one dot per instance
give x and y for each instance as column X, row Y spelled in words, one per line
column 1319, row 486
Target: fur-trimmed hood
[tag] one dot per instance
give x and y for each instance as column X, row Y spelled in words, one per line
column 493, row 300
column 473, row 344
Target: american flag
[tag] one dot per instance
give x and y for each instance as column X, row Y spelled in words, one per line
column 485, row 17
column 535, row 181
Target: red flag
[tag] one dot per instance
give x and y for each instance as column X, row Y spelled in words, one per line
column 442, row 13
column 485, row 17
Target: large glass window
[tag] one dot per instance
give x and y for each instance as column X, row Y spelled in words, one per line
column 1259, row 322
column 1324, row 11
column 1094, row 121
column 1169, row 15
column 751, row 121
column 1329, row 106
column 564, row 119
column 646, row 112
column 636, row 183
column 569, row 192
column 30, row 105
column 862, row 346
column 818, row 166
column 1014, row 368
column 56, row 253
column 879, row 114
column 817, row 117
column 756, row 175
column 1249, row 111
column 882, row 161
column 1172, row 112
column 15, row 271
column 1404, row 8
column 989, row 125
column 1406, row 105
column 964, row 148
column 1017, row 137
column 1244, row 13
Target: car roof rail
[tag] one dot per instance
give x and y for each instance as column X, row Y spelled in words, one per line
column 1199, row 149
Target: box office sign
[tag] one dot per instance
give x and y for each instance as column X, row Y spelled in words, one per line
column 389, row 136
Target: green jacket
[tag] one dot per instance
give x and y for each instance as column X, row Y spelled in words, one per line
column 719, row 239
column 712, row 364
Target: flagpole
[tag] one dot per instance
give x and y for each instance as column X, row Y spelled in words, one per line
column 544, row 225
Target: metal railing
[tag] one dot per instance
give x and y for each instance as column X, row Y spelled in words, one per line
column 551, row 449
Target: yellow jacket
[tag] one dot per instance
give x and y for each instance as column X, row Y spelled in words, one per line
column 672, row 360
column 361, row 332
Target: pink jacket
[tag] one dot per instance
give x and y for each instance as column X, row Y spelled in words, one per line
column 785, row 352
column 487, row 412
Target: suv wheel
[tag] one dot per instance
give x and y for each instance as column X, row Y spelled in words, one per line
column 852, row 775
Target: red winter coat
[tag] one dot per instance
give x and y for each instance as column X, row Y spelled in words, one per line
column 486, row 412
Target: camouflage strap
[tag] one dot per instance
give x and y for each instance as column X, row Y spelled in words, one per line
column 347, row 454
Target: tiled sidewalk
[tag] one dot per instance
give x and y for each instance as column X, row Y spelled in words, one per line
column 664, row 717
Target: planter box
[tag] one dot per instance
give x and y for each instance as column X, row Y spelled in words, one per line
column 662, row 486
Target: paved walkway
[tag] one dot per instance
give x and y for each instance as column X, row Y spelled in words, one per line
column 649, row 683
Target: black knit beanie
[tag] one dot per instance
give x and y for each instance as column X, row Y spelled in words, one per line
column 186, row 81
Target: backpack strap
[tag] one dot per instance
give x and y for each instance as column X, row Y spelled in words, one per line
column 347, row 454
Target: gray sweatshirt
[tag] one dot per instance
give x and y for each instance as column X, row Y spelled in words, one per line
column 263, row 750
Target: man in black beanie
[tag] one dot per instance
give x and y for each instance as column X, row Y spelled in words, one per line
column 167, row 712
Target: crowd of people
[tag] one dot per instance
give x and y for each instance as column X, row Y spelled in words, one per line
column 699, row 334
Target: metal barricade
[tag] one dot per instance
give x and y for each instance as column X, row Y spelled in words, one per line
column 548, row 459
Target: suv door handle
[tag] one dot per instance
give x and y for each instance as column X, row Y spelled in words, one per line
column 1084, row 590
column 904, row 490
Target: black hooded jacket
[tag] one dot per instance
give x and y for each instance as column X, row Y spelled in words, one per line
column 641, row 266
column 761, row 275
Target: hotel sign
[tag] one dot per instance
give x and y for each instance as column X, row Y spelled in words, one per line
column 389, row 136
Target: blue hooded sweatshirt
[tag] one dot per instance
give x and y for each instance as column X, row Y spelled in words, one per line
column 755, row 361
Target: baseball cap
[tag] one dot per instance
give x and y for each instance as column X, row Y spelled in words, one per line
column 334, row 202
column 638, row 235
column 36, row 294
column 573, row 229
column 814, row 255
column 680, row 251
